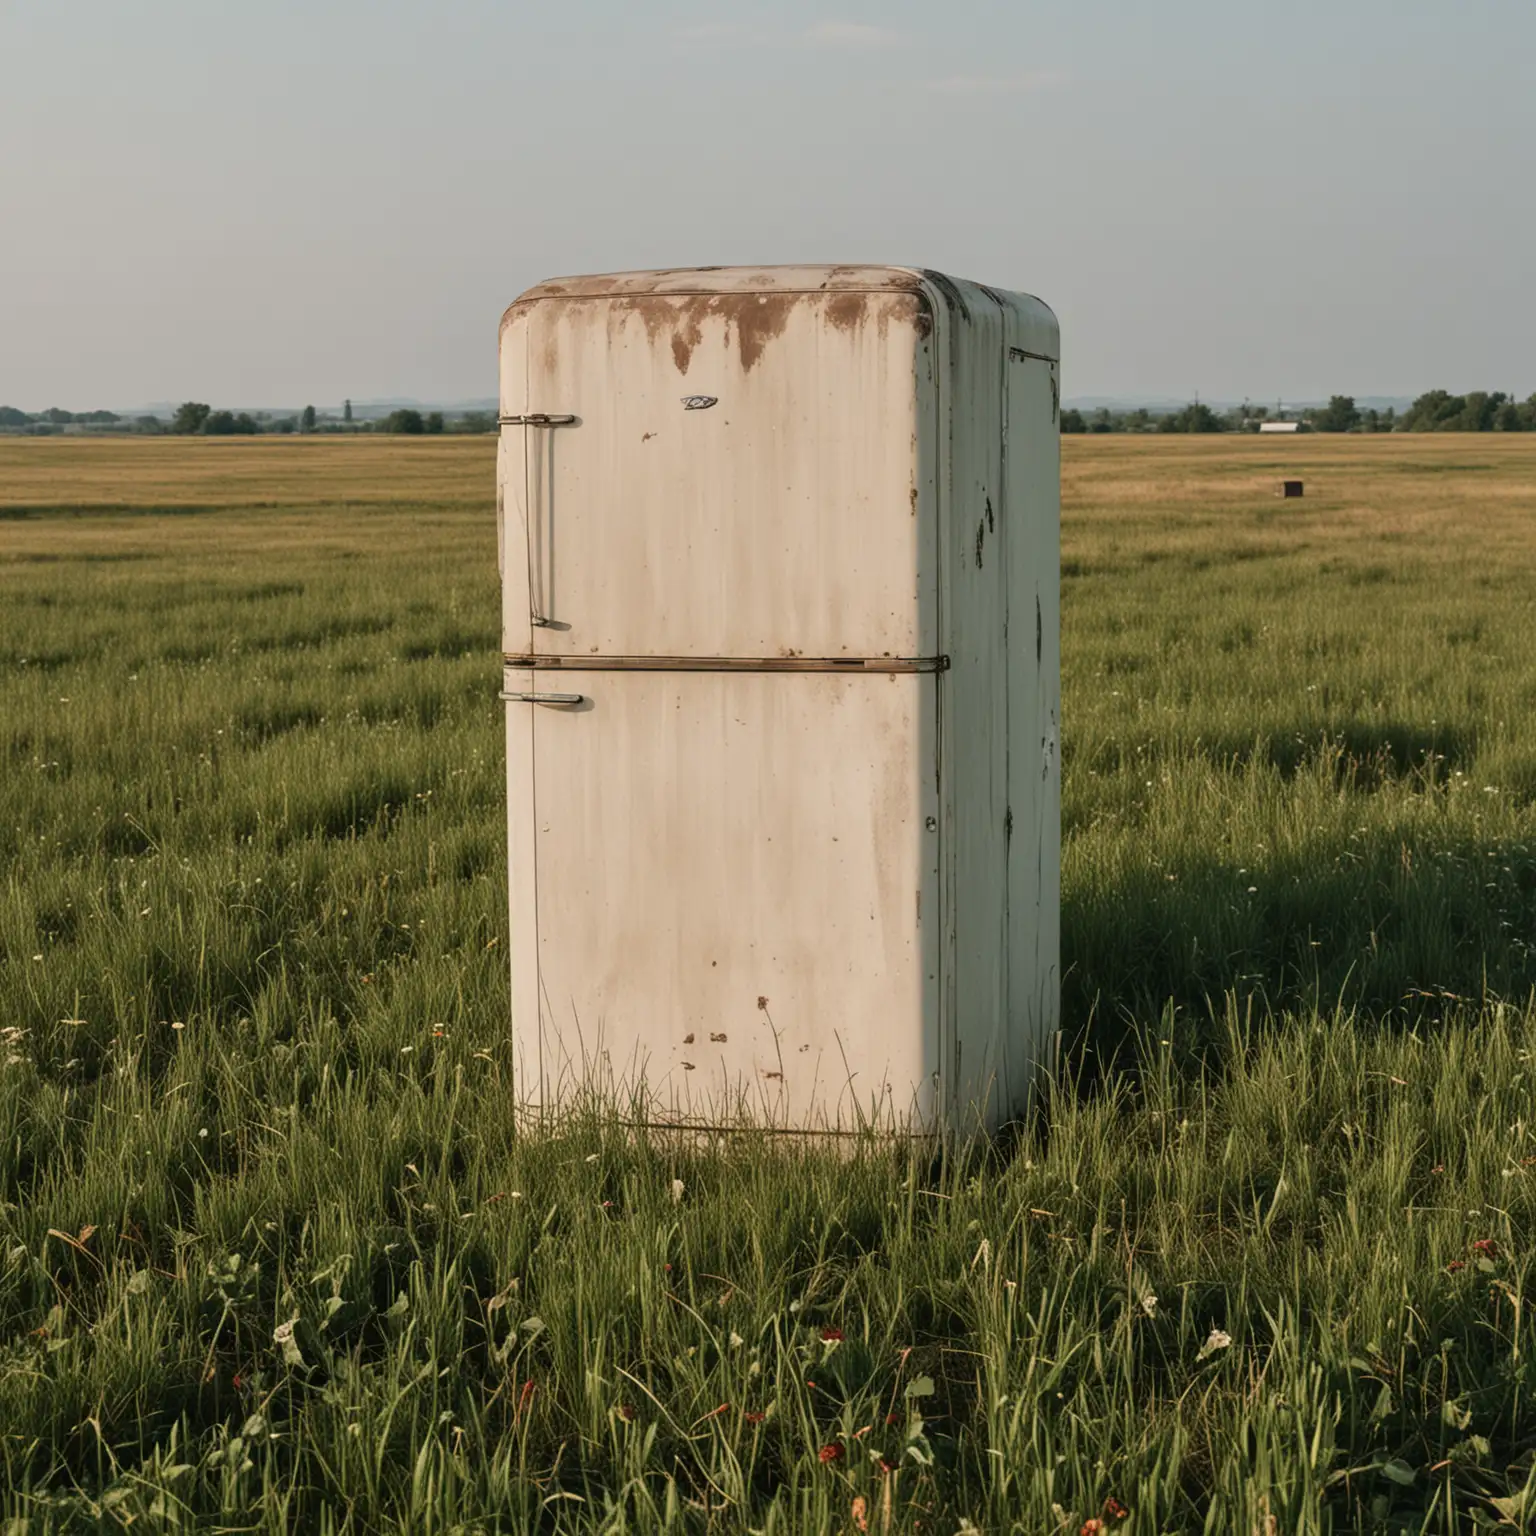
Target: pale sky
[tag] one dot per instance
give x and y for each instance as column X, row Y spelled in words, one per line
column 284, row 201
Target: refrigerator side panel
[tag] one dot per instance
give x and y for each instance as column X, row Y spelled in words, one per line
column 975, row 772
column 734, row 873
column 1034, row 706
column 522, row 884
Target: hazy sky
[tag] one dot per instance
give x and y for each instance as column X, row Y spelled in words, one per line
column 291, row 200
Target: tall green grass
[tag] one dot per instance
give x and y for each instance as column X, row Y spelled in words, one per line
column 272, row 1257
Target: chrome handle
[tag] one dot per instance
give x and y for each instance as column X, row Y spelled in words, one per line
column 536, row 597
column 544, row 698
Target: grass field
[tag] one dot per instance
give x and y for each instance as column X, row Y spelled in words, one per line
column 272, row 1258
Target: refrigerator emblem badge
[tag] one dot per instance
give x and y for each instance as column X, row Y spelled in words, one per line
column 699, row 402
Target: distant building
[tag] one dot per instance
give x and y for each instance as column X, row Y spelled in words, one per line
column 1284, row 426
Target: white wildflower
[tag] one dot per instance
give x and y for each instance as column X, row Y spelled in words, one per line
column 1218, row 1339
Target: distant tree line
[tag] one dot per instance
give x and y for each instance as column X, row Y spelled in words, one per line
column 195, row 418
column 53, row 417
column 1434, row 411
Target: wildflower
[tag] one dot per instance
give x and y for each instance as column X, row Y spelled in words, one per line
column 1091, row 1527
column 626, row 1411
column 736, row 1340
column 831, row 1335
column 860, row 1513
column 887, row 1465
column 177, row 1024
column 1114, row 1509
column 1486, row 1247
column 1453, row 1266
column 438, row 1032
column 1217, row 1339
column 677, row 1190
column 830, row 1453
column 752, row 1416
column 892, row 1418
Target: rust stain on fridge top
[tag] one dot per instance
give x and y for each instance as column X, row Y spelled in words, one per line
column 785, row 752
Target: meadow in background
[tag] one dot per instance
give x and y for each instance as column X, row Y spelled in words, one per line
column 270, row 1250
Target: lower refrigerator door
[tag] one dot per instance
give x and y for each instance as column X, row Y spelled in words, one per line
column 725, row 895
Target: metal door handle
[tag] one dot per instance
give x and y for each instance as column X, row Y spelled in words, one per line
column 536, row 596
column 544, row 698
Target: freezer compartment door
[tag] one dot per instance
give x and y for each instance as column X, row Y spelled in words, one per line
column 733, row 880
column 726, row 474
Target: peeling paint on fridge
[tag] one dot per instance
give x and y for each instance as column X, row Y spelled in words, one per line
column 780, row 570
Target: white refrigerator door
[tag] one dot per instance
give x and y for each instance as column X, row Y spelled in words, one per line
column 736, row 474
column 725, row 894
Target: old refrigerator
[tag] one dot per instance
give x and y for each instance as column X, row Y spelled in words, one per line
column 780, row 560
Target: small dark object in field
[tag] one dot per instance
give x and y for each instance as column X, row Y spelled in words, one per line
column 1288, row 489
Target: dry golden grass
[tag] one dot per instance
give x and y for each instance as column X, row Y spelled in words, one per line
column 1461, row 500
column 66, row 497
column 145, row 473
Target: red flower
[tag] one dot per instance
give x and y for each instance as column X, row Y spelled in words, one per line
column 752, row 1417
column 239, row 1381
column 1487, row 1247
column 830, row 1453
column 811, row 1385
column 626, row 1411
column 1114, row 1509
column 1091, row 1528
column 1454, row 1265
column 887, row 1465
column 831, row 1335
column 892, row 1418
